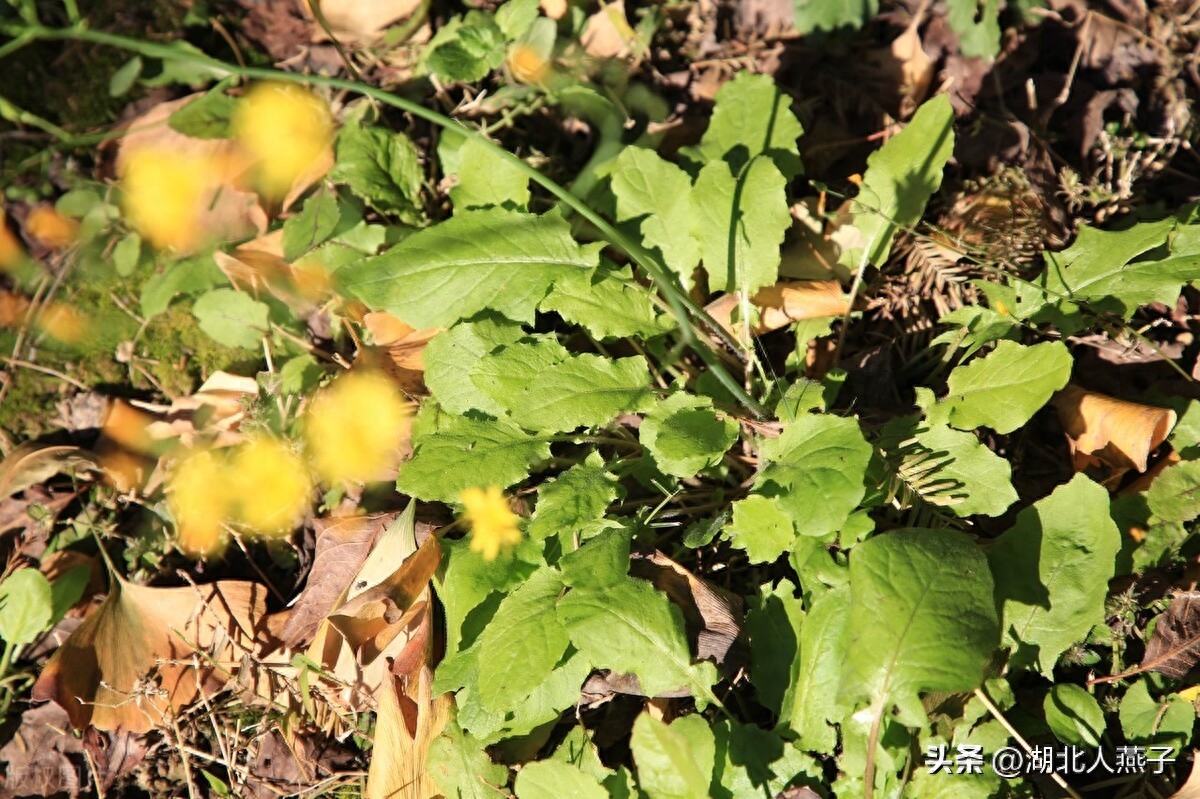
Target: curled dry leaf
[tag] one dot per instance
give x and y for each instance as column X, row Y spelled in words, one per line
column 147, row 651
column 1174, row 648
column 399, row 350
column 360, row 20
column 607, row 34
column 1114, row 432
column 1191, row 788
column 30, row 464
column 409, row 719
column 782, row 304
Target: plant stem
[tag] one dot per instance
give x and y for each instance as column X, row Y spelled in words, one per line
column 6, row 658
column 682, row 305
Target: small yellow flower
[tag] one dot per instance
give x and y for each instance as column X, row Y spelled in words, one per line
column 355, row 427
column 199, row 498
column 165, row 195
column 11, row 250
column 526, row 64
column 493, row 524
column 286, row 130
column 274, row 486
column 64, row 323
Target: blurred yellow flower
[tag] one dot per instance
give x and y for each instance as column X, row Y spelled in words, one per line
column 526, row 64
column 165, row 195
column 355, row 427
column 274, row 486
column 286, row 130
column 51, row 228
column 199, row 498
column 493, row 524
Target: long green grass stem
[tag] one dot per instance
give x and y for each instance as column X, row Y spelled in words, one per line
column 683, row 306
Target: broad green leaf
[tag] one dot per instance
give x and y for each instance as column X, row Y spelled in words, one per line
column 315, row 223
column 751, row 761
column 813, row 707
column 523, row 642
column 187, row 66
column 901, row 176
column 466, row 50
column 740, row 221
column 189, row 276
column 477, row 260
column 811, row 15
column 815, row 471
column 751, row 117
column 922, row 618
column 773, row 624
column 667, row 766
column 976, row 326
column 551, row 779
column 468, row 580
column 515, row 16
column 579, row 751
column 983, row 478
column 684, row 434
column 468, row 452
column 649, row 188
column 26, row 606
column 977, row 23
column 451, row 357
column 574, row 502
column 485, row 179
column 1145, row 720
column 209, row 116
column 1174, row 496
column 608, row 303
column 381, row 167
column 300, row 374
column 1052, row 570
column 504, row 374
column 1003, row 389
column 581, row 391
column 553, row 696
column 1074, row 715
column 761, row 528
column 599, row 562
column 631, row 628
column 232, row 318
column 462, row 769
column 66, row 591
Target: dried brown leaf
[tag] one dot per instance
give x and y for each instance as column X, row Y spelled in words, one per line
column 30, row 464
column 1191, row 788
column 189, row 638
column 409, row 719
column 342, row 547
column 1174, row 648
column 782, row 304
column 360, row 20
column 1117, row 433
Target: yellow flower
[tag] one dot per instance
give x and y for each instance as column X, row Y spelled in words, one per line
column 354, row 427
column 199, row 498
column 64, row 323
column 165, row 195
column 286, row 130
column 274, row 486
column 526, row 64
column 10, row 249
column 493, row 524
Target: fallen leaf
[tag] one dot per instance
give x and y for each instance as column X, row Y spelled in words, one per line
column 914, row 67
column 43, row 758
column 1111, row 431
column 607, row 33
column 1174, row 648
column 555, row 9
column 406, row 724
column 782, row 304
column 12, row 307
column 147, row 651
column 399, row 351
column 284, row 764
column 30, row 464
column 342, row 547
column 360, row 20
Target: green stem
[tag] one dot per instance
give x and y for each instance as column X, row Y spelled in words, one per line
column 681, row 304
column 19, row 116
column 6, row 658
